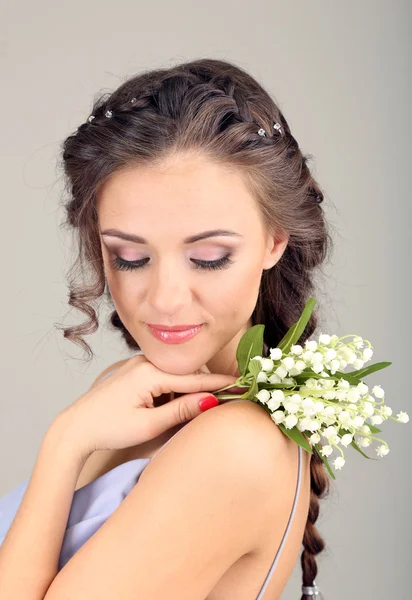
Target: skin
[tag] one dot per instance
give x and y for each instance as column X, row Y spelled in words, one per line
column 188, row 195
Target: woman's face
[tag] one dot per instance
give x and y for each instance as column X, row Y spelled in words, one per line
column 163, row 278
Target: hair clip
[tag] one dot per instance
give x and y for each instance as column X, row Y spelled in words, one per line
column 312, row 590
column 276, row 126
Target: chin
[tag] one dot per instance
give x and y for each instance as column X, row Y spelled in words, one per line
column 176, row 362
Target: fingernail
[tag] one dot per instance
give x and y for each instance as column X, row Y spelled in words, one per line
column 208, row 402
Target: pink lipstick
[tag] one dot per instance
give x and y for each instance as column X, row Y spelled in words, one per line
column 174, row 335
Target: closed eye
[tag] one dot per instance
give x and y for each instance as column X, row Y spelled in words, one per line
column 119, row 264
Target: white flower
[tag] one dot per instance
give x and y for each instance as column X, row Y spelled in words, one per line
column 329, row 432
column 317, row 357
column 291, row 421
column 364, row 429
column 277, row 395
column 330, row 354
column 311, row 345
column 318, row 406
column 353, row 395
column 343, row 384
column 275, row 353
column 329, row 411
column 378, row 392
column 317, row 367
column 362, row 388
column 324, row 338
column 386, row 411
column 278, row 416
column 273, row 404
column 382, row 450
column 357, row 421
column 261, row 377
column 296, row 349
column 358, row 341
column 368, row 409
column 358, row 364
column 304, row 424
column 376, row 420
column 334, row 366
column 326, row 450
column 344, row 417
column 291, row 407
column 367, row 354
column 263, row 395
column 342, row 365
column 364, row 442
column 311, row 383
column 314, row 438
column 339, row 462
column 314, row 425
column 403, row 417
column 288, row 362
column 289, row 381
column 267, row 364
column 346, row 439
column 281, row 371
column 298, row 368
column 274, row 378
column 307, row 356
column 257, row 357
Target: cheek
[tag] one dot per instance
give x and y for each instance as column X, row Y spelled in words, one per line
column 122, row 293
column 237, row 296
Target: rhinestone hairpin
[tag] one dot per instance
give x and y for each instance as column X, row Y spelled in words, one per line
column 109, row 113
column 276, row 126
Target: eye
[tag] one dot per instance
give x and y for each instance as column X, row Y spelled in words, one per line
column 120, row 264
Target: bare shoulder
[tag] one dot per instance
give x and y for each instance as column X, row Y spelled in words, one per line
column 237, row 448
column 202, row 503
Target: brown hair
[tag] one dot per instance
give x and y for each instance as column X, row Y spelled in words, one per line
column 215, row 108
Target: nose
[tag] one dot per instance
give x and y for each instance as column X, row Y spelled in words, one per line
column 169, row 290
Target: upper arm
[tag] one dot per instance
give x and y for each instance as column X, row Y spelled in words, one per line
column 198, row 507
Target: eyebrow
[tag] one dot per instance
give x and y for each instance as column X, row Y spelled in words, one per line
column 130, row 237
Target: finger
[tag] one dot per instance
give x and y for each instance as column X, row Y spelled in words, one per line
column 175, row 412
column 195, row 382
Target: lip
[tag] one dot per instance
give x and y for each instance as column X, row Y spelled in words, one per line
column 176, row 336
column 174, row 327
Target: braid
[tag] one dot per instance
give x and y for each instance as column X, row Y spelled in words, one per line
column 312, row 541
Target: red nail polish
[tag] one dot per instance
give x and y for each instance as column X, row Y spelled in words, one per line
column 208, row 402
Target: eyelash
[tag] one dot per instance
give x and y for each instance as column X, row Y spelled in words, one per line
column 205, row 265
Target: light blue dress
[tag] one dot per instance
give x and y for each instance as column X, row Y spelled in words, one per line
column 93, row 504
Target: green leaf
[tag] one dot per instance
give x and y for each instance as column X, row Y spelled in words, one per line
column 254, row 388
column 360, row 373
column 250, row 344
column 373, row 428
column 255, row 367
column 294, row 333
column 325, row 462
column 297, row 436
column 355, row 445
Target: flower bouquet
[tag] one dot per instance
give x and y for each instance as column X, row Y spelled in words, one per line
column 307, row 393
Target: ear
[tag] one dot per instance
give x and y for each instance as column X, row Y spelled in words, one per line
column 275, row 247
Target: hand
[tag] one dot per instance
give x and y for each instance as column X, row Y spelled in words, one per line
column 119, row 412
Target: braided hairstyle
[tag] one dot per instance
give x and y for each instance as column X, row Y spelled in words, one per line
column 216, row 108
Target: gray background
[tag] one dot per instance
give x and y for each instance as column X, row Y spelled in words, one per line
column 341, row 74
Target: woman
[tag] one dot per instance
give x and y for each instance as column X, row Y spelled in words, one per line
column 194, row 208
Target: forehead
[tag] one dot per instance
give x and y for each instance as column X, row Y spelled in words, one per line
column 190, row 186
